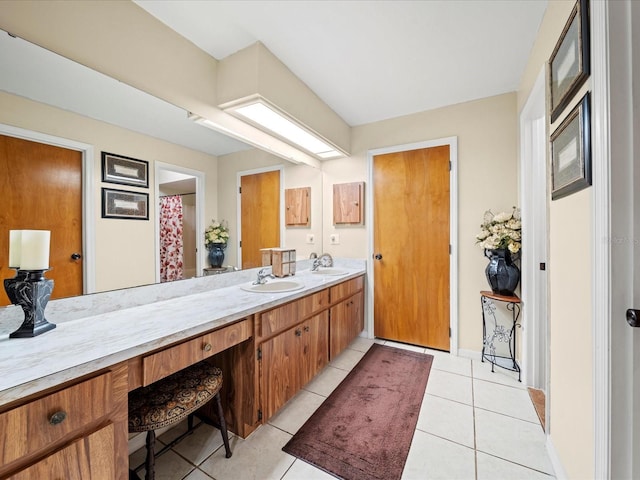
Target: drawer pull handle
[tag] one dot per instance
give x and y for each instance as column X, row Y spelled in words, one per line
column 207, row 347
column 58, row 417
column 306, row 329
column 298, row 332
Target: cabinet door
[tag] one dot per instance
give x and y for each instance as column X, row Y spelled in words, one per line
column 347, row 321
column 280, row 377
column 88, row 458
column 347, row 203
column 315, row 346
column 297, row 206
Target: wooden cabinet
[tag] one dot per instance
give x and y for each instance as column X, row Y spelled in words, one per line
column 347, row 203
column 297, row 207
column 90, row 457
column 292, row 358
column 347, row 321
column 75, row 432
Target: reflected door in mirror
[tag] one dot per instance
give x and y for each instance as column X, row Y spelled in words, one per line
column 260, row 215
column 41, row 189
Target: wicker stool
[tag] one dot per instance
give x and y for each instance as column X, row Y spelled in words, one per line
column 168, row 401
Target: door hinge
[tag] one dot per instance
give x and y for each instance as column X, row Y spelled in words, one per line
column 239, row 189
column 259, row 353
column 240, row 243
column 449, row 249
column 259, row 415
column 449, row 332
column 450, row 166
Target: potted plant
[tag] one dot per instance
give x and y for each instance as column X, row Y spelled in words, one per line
column 216, row 237
column 500, row 237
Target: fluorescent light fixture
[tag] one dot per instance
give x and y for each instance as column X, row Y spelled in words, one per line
column 263, row 115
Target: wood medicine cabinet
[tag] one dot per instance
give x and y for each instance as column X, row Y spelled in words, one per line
column 347, row 203
column 298, row 203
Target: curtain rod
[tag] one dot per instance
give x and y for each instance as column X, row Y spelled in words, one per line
column 177, row 195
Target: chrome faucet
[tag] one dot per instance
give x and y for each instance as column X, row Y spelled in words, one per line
column 262, row 277
column 324, row 260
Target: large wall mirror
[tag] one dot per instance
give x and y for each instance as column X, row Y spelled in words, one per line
column 50, row 105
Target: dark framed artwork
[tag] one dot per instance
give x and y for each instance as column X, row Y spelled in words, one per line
column 123, row 204
column 124, row 170
column 571, row 152
column 569, row 64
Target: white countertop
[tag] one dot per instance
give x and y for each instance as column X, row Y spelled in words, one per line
column 84, row 345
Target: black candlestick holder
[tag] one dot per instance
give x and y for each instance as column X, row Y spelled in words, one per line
column 31, row 290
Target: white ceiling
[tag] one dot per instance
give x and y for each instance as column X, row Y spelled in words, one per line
column 372, row 60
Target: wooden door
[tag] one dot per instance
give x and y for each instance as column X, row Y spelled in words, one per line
column 260, row 215
column 41, row 189
column 315, row 346
column 280, row 379
column 411, row 239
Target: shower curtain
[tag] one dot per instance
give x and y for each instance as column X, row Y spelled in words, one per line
column 171, row 243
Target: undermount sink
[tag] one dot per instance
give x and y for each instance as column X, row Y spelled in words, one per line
column 274, row 287
column 330, row 271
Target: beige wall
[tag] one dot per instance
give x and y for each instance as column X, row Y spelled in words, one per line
column 487, row 160
column 570, row 277
column 125, row 249
column 294, row 176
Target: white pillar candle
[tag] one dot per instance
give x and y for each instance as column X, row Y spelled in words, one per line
column 35, row 250
column 15, row 247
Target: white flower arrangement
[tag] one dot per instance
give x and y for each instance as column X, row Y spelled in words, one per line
column 217, row 232
column 502, row 230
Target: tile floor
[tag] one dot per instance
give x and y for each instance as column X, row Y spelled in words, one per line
column 473, row 424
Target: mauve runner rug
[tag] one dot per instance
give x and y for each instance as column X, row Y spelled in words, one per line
column 363, row 430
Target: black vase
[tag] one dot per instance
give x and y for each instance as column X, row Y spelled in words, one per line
column 216, row 254
column 502, row 274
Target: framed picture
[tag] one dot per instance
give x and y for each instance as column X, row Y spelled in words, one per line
column 124, row 170
column 571, row 152
column 569, row 63
column 123, row 204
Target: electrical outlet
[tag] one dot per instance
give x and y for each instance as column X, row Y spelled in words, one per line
column 334, row 239
column 310, row 238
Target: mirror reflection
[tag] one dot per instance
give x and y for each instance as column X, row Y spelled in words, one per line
column 51, row 107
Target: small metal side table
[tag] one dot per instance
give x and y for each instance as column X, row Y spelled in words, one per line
column 499, row 333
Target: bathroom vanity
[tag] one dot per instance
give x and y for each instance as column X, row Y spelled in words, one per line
column 63, row 395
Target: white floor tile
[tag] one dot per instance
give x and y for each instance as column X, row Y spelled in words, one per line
column 303, row 471
column 297, row 411
column 482, row 371
column 503, row 399
column 347, row 359
column 198, row 446
column 493, row 468
column 258, row 457
column 361, row 344
column 326, row 381
column 169, row 466
column 447, row 419
column 450, row 385
column 432, row 457
column 197, row 475
column 450, row 363
column 512, row 439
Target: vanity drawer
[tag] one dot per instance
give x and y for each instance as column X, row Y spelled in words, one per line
column 311, row 304
column 170, row 360
column 346, row 289
column 278, row 319
column 43, row 422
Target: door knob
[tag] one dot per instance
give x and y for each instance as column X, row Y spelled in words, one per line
column 76, row 256
column 378, row 256
column 633, row 317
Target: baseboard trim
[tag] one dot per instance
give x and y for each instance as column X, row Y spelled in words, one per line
column 559, row 470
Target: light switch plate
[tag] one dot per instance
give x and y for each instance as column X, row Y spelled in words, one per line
column 334, row 239
column 310, row 238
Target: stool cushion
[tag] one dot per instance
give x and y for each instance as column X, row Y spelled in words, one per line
column 173, row 398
